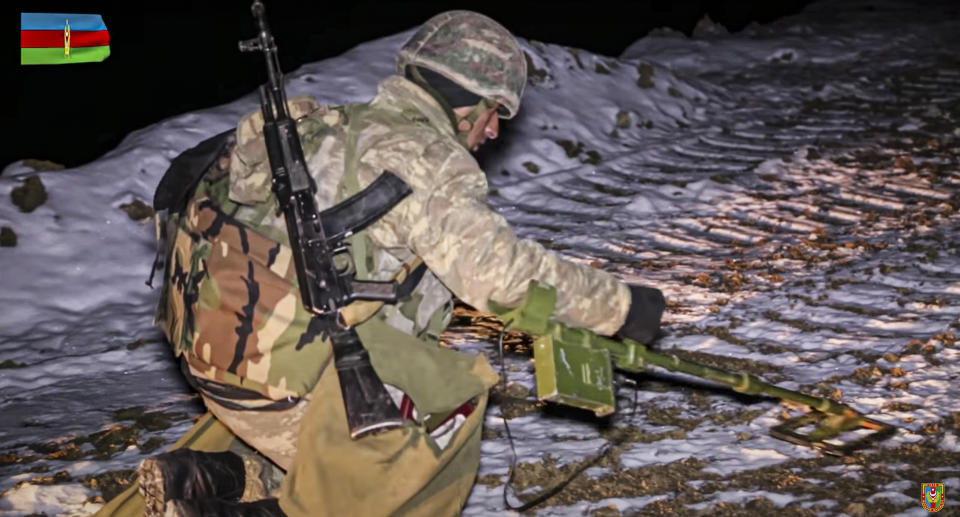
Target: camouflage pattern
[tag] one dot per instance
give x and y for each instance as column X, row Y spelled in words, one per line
column 233, row 307
column 472, row 50
column 446, row 221
column 271, row 433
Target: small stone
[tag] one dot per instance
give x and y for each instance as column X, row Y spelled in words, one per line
column 30, row 195
column 905, row 163
column 8, row 237
column 593, row 157
column 138, row 210
column 571, row 148
column 646, row 75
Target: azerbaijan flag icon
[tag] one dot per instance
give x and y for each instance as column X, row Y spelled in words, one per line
column 58, row 39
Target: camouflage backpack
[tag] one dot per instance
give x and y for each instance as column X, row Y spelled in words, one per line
column 230, row 305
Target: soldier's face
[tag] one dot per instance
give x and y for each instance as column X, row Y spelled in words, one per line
column 486, row 127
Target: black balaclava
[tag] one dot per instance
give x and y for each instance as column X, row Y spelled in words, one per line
column 449, row 92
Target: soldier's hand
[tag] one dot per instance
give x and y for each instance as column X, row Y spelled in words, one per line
column 643, row 319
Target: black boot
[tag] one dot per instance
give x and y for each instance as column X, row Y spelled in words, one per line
column 188, row 474
column 219, row 508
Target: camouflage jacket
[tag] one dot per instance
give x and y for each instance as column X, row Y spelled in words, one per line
column 232, row 234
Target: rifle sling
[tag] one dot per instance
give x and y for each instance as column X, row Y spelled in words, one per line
column 413, row 278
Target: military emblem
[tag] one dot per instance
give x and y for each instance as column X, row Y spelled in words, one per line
column 66, row 38
column 932, row 497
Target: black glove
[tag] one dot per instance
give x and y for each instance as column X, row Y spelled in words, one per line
column 643, row 319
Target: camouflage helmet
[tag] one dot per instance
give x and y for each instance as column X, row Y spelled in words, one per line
column 473, row 51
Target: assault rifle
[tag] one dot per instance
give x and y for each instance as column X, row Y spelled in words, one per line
column 574, row 367
column 325, row 271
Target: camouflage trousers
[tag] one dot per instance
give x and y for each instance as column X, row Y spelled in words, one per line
column 398, row 472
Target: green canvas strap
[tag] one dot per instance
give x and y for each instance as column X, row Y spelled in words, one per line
column 534, row 311
column 363, row 259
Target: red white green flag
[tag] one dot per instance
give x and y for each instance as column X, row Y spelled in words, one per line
column 58, row 39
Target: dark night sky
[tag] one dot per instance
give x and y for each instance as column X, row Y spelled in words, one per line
column 171, row 57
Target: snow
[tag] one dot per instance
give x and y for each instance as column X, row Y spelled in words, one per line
column 755, row 141
column 50, row 499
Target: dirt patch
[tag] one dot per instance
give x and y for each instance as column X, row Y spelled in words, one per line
column 806, row 479
column 111, row 484
column 803, row 325
column 490, row 480
column 731, row 364
column 13, row 458
column 104, row 444
column 634, row 434
column 634, row 482
column 725, row 334
column 515, row 401
column 149, row 420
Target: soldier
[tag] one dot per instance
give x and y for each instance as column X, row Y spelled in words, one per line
column 230, row 306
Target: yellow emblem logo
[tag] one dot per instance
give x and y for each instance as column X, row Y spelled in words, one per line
column 66, row 38
column 932, row 498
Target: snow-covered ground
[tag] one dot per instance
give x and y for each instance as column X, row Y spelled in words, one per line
column 793, row 188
